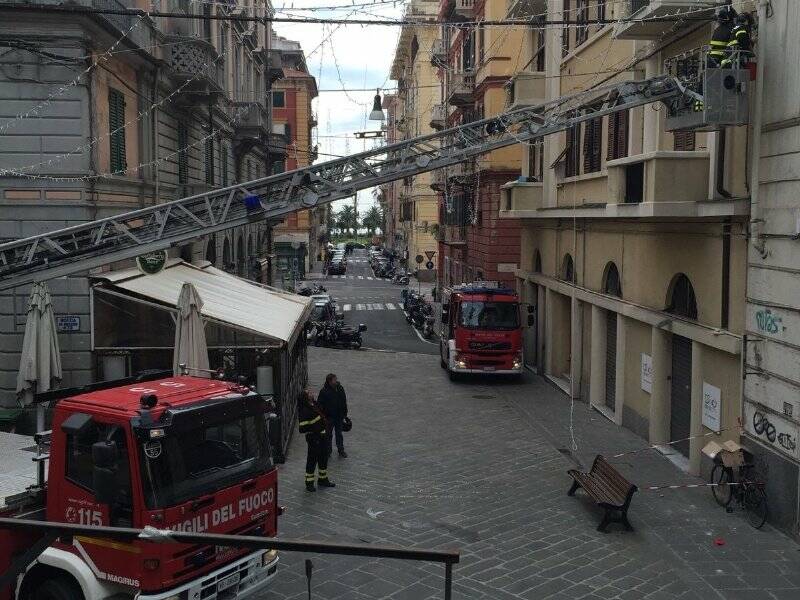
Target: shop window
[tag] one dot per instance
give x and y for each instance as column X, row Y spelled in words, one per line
column 682, row 300
column 612, row 284
column 116, row 129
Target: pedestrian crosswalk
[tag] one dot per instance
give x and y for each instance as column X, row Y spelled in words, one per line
column 369, row 306
column 354, row 277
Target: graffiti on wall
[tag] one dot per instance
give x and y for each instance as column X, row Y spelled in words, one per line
column 768, row 322
column 763, row 427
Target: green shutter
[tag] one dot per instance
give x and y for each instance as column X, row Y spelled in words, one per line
column 183, row 153
column 116, row 129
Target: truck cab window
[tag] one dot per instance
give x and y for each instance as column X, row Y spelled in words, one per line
column 79, row 467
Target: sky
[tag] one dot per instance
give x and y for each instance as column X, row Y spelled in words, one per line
column 344, row 57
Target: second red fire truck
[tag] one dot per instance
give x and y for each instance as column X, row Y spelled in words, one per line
column 481, row 330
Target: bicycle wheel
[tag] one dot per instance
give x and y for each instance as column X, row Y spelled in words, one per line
column 721, row 476
column 755, row 503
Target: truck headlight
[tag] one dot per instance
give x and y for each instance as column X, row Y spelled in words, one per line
column 460, row 361
column 268, row 557
column 518, row 361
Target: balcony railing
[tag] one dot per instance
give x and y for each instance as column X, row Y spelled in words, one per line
column 277, row 144
column 195, row 64
column 462, row 86
column 525, row 9
column 253, row 121
column 438, row 53
column 143, row 35
column 662, row 176
column 438, row 116
column 464, row 9
column 651, row 19
column 526, row 88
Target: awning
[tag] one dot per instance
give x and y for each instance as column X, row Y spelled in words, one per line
column 227, row 299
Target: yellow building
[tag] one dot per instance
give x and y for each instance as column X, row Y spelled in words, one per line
column 633, row 246
column 417, row 98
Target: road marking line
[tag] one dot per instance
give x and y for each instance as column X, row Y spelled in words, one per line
column 377, row 306
column 359, row 307
column 390, row 306
column 346, row 308
column 361, row 277
column 369, row 278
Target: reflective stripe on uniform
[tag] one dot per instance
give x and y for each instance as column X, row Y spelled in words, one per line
column 718, row 44
column 309, row 477
column 323, row 474
column 311, row 422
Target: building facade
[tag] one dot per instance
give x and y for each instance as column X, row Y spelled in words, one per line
column 634, row 238
column 108, row 113
column 475, row 65
column 389, row 193
column 771, row 410
column 412, row 115
column 297, row 241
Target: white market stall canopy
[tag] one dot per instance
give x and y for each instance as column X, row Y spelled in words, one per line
column 227, row 299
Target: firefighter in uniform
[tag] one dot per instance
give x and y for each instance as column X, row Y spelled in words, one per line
column 313, row 425
column 740, row 43
column 718, row 46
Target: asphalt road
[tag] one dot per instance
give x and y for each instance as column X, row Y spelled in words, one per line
column 364, row 298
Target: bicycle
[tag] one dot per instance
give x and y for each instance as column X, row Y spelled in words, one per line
column 747, row 491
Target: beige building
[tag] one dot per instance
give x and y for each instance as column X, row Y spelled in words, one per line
column 634, row 239
column 417, row 98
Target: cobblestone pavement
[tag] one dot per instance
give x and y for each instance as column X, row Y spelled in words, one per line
column 480, row 466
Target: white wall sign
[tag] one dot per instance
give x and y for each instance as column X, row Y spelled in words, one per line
column 506, row 267
column 712, row 407
column 647, row 373
column 68, row 323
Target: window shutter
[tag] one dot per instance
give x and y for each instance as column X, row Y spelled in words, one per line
column 183, row 157
column 591, row 145
column 617, row 135
column 116, row 128
column 684, row 140
column 209, row 160
column 223, row 164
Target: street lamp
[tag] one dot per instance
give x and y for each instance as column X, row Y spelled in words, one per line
column 377, row 111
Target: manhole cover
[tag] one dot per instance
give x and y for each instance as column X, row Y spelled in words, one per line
column 484, row 397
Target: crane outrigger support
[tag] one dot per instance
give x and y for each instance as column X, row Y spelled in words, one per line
column 79, row 248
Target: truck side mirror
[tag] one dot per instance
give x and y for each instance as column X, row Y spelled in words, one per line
column 104, row 471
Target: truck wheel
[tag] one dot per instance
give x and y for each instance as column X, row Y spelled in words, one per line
column 452, row 375
column 442, row 363
column 60, row 588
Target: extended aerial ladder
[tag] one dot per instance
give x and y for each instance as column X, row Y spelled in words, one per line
column 80, row 248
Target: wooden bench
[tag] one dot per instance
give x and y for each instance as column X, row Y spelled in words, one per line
column 608, row 488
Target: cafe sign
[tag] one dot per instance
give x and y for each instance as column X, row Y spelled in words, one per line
column 152, row 262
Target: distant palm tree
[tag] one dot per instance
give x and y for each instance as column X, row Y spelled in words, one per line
column 373, row 219
column 346, row 219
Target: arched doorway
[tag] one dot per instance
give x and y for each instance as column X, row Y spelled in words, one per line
column 240, row 257
column 227, row 259
column 613, row 287
column 211, row 250
column 681, row 301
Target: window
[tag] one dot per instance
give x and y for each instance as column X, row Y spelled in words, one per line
column 568, row 269
column 223, row 163
column 601, row 13
column 249, row 170
column 414, row 48
column 582, row 18
column 683, row 140
column 207, row 22
column 278, row 99
column 540, row 50
column 209, row 160
column 481, row 43
column 116, row 129
column 617, row 135
column 536, row 160
column 592, row 141
column 537, row 262
column 80, row 466
column 489, row 315
column 682, row 300
column 183, row 153
column 611, row 282
column 468, row 50
column 278, row 166
column 565, row 30
column 572, row 152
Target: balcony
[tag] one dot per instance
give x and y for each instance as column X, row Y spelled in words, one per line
column 526, row 88
column 645, row 15
column 253, row 122
column 196, row 67
column 525, row 9
column 521, row 199
column 463, row 9
column 438, row 53
column 142, row 35
column 462, row 86
column 273, row 63
column 278, row 140
column 453, row 235
column 438, row 117
column 656, row 177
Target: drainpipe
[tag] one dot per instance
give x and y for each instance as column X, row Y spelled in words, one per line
column 755, row 220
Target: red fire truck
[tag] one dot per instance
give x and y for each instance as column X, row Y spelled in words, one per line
column 176, row 453
column 481, row 330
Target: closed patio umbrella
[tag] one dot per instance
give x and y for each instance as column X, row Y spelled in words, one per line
column 190, row 336
column 40, row 364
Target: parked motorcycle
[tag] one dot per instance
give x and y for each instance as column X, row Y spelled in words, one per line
column 419, row 313
column 337, row 334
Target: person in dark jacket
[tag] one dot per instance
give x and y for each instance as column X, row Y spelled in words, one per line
column 333, row 402
column 313, row 424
